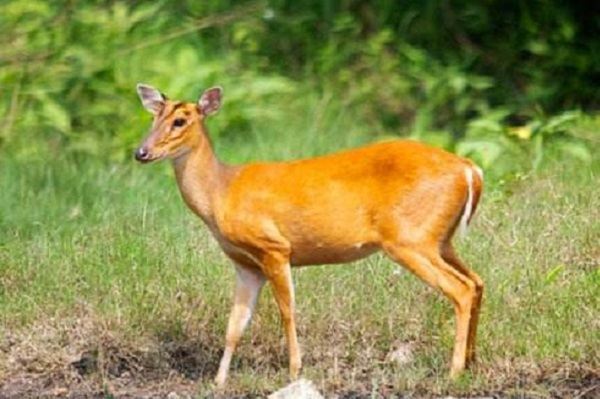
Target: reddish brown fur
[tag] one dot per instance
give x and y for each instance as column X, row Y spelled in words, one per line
column 402, row 197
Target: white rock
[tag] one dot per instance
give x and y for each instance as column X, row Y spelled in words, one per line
column 301, row 389
column 403, row 354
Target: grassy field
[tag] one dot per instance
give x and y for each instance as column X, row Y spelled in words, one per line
column 109, row 285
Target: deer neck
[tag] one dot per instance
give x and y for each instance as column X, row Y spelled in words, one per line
column 202, row 179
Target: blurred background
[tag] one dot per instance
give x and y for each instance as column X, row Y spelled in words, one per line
column 500, row 81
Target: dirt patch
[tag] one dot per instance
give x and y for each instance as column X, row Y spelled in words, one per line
column 174, row 385
column 81, row 359
column 47, row 387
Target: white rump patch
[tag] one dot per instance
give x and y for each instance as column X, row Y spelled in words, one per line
column 464, row 220
column 479, row 171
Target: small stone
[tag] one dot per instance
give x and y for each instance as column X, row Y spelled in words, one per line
column 61, row 391
column 172, row 395
column 301, row 389
column 402, row 355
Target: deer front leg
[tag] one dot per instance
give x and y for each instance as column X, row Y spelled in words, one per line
column 280, row 276
column 247, row 288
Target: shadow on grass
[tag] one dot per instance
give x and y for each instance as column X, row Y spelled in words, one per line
column 192, row 359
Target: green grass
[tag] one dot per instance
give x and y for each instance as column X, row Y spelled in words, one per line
column 104, row 257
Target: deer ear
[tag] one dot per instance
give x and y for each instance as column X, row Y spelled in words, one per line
column 210, row 101
column 152, row 99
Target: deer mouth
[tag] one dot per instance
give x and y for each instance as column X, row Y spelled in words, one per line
column 144, row 156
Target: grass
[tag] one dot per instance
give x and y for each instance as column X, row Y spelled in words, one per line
column 101, row 261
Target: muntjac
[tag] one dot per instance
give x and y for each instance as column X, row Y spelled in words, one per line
column 401, row 197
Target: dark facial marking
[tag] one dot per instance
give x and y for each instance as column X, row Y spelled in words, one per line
column 168, row 112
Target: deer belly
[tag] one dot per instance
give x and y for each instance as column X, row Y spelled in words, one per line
column 323, row 253
column 332, row 236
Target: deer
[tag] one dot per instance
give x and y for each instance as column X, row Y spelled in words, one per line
column 402, row 197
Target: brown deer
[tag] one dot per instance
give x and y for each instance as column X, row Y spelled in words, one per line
column 402, row 197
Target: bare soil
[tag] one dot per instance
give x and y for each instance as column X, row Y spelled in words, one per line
column 83, row 379
column 81, row 358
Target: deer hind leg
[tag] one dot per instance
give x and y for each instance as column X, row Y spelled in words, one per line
column 248, row 286
column 279, row 274
column 426, row 262
column 449, row 255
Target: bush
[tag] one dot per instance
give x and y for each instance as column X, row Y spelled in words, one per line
column 478, row 79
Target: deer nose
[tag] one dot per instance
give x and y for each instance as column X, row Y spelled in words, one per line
column 142, row 154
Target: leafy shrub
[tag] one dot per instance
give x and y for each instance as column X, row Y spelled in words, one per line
column 481, row 79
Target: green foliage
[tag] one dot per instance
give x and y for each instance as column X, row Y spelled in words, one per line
column 495, row 146
column 490, row 81
column 69, row 80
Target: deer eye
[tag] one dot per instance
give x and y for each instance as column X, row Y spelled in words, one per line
column 178, row 122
